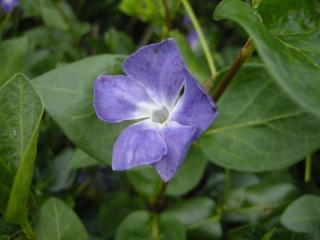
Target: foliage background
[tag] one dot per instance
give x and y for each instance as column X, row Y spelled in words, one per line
column 253, row 175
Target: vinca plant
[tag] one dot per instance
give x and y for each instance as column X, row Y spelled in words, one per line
column 159, row 120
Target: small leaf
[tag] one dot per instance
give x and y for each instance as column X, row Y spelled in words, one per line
column 12, row 58
column 258, row 201
column 118, row 42
column 56, row 221
column 294, row 72
column 62, row 176
column 258, row 127
column 20, row 114
column 197, row 214
column 141, row 225
column 67, row 93
column 81, row 160
column 303, row 215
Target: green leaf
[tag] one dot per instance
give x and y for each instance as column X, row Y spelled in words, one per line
column 259, row 201
column 52, row 17
column 197, row 215
column 12, row 58
column 20, row 114
column 295, row 22
column 67, row 93
column 141, row 225
column 295, row 73
column 56, row 221
column 192, row 210
column 61, row 175
column 81, row 160
column 258, row 128
column 303, row 215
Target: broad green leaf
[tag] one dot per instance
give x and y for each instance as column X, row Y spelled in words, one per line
column 259, row 128
column 141, row 225
column 295, row 73
column 56, row 221
column 20, row 114
column 303, row 215
column 67, row 93
column 296, row 22
column 12, row 58
column 197, row 214
column 146, row 181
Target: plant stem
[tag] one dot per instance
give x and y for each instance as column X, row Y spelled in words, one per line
column 244, row 54
column 202, row 39
column 27, row 229
column 167, row 14
column 161, row 195
column 308, row 168
column 154, row 227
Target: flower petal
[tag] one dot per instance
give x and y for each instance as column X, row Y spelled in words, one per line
column 195, row 107
column 118, row 98
column 178, row 139
column 9, row 5
column 138, row 144
column 159, row 67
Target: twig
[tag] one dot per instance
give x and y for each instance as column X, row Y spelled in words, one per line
column 244, row 54
column 308, row 168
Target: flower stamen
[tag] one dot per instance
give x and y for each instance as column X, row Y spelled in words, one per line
column 160, row 115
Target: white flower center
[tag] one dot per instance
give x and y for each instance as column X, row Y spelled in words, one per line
column 160, row 115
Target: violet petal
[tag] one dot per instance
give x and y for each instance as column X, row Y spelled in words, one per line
column 195, row 107
column 178, row 139
column 139, row 144
column 159, row 67
column 118, row 98
column 9, row 5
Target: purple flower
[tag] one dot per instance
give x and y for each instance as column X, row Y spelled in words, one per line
column 8, row 5
column 186, row 21
column 193, row 39
column 158, row 89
